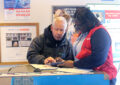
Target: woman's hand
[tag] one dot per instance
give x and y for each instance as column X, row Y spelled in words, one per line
column 59, row 59
column 68, row 64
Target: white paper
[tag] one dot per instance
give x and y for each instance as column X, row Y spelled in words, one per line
column 44, row 67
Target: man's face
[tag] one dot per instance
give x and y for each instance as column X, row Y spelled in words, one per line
column 58, row 30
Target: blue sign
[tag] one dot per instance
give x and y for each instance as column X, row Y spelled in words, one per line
column 16, row 4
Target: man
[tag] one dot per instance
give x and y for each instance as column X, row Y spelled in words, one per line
column 70, row 25
column 52, row 46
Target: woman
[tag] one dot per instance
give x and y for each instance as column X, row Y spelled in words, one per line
column 92, row 49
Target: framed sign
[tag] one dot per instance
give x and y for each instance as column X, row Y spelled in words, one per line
column 15, row 40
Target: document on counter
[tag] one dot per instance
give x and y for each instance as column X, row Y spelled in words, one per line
column 74, row 70
column 61, row 70
column 43, row 67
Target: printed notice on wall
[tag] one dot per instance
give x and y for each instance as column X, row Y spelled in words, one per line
column 16, row 9
column 15, row 41
column 109, row 15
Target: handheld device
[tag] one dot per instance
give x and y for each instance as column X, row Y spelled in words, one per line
column 57, row 63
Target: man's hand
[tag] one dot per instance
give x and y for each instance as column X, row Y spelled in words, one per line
column 49, row 60
column 68, row 63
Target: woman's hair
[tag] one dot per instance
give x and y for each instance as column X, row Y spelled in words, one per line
column 84, row 16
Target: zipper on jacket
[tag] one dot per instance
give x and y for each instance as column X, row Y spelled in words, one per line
column 56, row 45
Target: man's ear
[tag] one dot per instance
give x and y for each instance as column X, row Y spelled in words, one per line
column 51, row 27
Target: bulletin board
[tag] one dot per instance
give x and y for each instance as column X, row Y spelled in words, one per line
column 15, row 39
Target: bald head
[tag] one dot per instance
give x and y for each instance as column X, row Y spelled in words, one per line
column 59, row 27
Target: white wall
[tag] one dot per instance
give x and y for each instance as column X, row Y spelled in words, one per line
column 41, row 10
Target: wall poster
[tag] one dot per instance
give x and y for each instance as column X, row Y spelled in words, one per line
column 16, row 9
column 69, row 10
column 15, row 40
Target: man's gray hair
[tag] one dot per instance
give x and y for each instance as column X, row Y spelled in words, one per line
column 62, row 19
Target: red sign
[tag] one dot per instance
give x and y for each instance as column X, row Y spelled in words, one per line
column 112, row 14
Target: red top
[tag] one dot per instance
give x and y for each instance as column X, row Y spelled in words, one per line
column 108, row 66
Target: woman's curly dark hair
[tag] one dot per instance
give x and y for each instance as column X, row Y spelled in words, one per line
column 86, row 17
